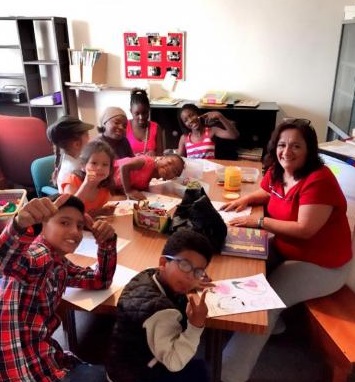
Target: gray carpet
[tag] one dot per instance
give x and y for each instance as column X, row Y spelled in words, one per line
column 287, row 357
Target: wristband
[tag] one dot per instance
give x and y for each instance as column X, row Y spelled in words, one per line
column 261, row 222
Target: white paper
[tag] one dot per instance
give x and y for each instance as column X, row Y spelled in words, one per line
column 228, row 216
column 241, row 295
column 208, row 165
column 88, row 246
column 90, row 299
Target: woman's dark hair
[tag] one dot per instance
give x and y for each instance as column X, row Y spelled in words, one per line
column 97, row 146
column 139, row 96
column 191, row 107
column 187, row 239
column 313, row 160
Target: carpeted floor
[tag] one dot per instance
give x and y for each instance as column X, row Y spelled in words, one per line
column 287, row 357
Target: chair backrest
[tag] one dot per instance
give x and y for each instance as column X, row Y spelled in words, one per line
column 22, row 139
column 41, row 170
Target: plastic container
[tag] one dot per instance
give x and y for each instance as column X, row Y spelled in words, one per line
column 249, row 174
column 220, row 174
column 232, row 178
column 17, row 197
column 193, row 169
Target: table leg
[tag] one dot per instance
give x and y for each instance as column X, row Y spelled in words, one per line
column 214, row 347
column 69, row 329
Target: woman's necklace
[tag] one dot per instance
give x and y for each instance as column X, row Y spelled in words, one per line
column 146, row 140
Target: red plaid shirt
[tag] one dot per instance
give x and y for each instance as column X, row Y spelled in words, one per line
column 34, row 277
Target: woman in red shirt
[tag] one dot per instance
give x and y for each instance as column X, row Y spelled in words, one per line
column 306, row 211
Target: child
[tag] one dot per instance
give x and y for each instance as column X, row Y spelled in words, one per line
column 133, row 175
column 93, row 182
column 35, row 273
column 113, row 131
column 143, row 135
column 199, row 132
column 69, row 135
column 158, row 329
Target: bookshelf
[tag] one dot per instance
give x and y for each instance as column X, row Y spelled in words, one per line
column 34, row 55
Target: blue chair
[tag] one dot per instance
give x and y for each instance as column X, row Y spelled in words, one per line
column 41, row 171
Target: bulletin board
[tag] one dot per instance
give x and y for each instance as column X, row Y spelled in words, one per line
column 153, row 55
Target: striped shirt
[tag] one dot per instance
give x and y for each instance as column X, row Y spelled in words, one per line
column 202, row 149
column 34, row 277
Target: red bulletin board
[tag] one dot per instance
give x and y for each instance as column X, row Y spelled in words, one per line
column 153, row 55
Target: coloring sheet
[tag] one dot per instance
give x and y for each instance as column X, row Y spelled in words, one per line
column 228, row 216
column 88, row 246
column 241, row 295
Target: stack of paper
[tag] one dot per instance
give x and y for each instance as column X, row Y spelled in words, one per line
column 214, row 97
column 90, row 299
column 47, row 100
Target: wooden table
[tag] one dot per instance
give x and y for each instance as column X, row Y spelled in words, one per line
column 145, row 248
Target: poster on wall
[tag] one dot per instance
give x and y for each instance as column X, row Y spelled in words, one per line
column 154, row 55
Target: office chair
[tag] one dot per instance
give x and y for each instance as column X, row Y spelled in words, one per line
column 41, row 171
column 22, row 139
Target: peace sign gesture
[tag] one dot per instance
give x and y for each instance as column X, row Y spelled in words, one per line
column 197, row 312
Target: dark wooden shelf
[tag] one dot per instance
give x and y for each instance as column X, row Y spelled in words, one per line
column 254, row 124
column 54, row 55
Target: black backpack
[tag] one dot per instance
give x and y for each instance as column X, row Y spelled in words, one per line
column 197, row 212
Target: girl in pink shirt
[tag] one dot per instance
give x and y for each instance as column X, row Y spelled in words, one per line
column 199, row 130
column 143, row 135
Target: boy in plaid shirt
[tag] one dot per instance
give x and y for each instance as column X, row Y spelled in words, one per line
column 35, row 273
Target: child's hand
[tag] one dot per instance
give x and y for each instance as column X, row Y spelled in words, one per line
column 39, row 210
column 107, row 210
column 136, row 195
column 101, row 230
column 91, row 178
column 197, row 313
column 205, row 283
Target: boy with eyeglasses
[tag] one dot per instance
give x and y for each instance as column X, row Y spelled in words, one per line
column 158, row 328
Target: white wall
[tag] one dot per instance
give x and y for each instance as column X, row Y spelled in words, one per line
column 272, row 50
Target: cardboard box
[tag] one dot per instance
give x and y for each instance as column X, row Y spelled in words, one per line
column 75, row 73
column 95, row 74
column 82, row 73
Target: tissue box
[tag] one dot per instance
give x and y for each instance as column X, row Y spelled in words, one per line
column 150, row 218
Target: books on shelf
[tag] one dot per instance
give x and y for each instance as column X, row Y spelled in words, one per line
column 343, row 148
column 254, row 154
column 247, row 103
column 214, row 97
column 165, row 101
column 246, row 242
column 47, row 100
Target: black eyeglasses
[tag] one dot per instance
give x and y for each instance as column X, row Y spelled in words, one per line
column 300, row 122
column 297, row 122
column 186, row 267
